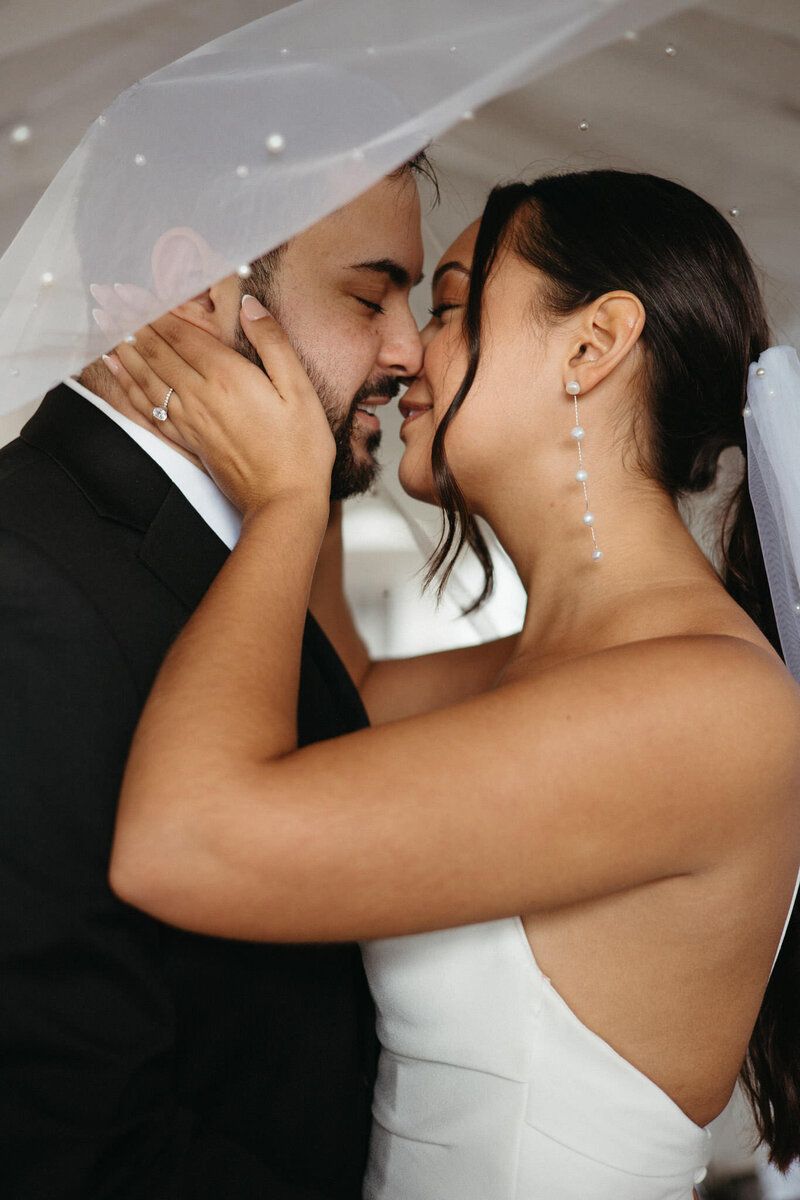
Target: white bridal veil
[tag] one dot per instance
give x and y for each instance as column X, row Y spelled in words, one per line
column 252, row 138
column 773, row 441
column 259, row 133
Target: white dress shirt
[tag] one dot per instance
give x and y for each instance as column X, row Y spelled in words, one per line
column 199, row 489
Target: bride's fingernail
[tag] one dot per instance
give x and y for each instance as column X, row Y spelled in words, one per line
column 252, row 309
column 111, row 363
column 103, row 320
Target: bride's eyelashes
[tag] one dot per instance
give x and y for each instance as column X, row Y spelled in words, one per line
column 438, row 311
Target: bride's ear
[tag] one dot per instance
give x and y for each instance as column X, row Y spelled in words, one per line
column 182, row 261
column 609, row 330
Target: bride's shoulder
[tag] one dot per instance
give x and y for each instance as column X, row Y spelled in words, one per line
column 742, row 665
column 695, row 691
column 691, row 667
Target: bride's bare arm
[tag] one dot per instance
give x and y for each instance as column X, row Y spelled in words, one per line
column 395, row 688
column 404, row 687
column 581, row 783
column 390, row 689
column 604, row 773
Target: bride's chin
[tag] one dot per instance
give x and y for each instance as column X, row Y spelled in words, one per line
column 416, row 480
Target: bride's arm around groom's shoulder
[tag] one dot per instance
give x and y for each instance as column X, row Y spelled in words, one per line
column 405, row 687
column 607, row 770
column 657, row 745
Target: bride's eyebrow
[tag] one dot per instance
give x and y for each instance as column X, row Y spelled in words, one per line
column 444, row 268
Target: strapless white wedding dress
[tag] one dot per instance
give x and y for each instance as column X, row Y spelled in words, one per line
column 490, row 1088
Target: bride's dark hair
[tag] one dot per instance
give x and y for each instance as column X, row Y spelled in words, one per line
column 594, row 232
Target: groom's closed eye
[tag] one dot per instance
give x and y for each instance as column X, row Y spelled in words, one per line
column 372, row 305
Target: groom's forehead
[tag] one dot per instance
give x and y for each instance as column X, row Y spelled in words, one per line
column 378, row 230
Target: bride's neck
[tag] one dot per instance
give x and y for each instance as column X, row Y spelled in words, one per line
column 575, row 602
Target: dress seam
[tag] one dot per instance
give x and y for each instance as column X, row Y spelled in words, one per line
column 676, row 1176
column 441, row 1062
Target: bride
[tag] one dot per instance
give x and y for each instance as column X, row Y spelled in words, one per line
column 572, row 887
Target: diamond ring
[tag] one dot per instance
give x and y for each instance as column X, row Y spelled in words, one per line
column 160, row 413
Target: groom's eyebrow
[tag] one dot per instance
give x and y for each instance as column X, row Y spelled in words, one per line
column 387, row 266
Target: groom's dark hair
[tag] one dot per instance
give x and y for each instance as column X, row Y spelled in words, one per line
column 95, row 268
column 263, row 270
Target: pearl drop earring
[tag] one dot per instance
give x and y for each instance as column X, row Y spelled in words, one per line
column 578, row 432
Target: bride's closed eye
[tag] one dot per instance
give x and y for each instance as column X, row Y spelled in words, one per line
column 438, row 311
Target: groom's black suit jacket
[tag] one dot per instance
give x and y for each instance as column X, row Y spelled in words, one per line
column 138, row 1061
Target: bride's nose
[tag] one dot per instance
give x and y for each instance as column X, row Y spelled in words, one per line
column 426, row 336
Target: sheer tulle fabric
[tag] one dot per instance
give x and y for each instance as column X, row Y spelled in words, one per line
column 251, row 139
column 772, row 421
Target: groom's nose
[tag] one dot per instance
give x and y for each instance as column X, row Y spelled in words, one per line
column 401, row 350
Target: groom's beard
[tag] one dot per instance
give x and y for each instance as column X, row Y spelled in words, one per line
column 354, row 469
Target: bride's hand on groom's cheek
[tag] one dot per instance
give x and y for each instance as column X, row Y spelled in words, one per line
column 260, row 434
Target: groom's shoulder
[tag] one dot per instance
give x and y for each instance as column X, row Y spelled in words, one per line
column 72, row 473
column 49, row 547
column 32, row 475
column 38, row 499
column 56, row 548
column 74, row 592
column 17, row 459
column 30, row 485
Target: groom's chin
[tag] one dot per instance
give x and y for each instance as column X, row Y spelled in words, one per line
column 356, row 469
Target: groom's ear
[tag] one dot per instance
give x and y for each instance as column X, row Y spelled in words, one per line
column 183, row 260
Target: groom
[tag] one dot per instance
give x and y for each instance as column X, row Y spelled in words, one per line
column 137, row 1061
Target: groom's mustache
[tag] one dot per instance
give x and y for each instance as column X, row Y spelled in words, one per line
column 388, row 386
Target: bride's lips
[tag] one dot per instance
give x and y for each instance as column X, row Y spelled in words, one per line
column 411, row 408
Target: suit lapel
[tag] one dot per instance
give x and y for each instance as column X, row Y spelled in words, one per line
column 181, row 550
column 125, row 485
